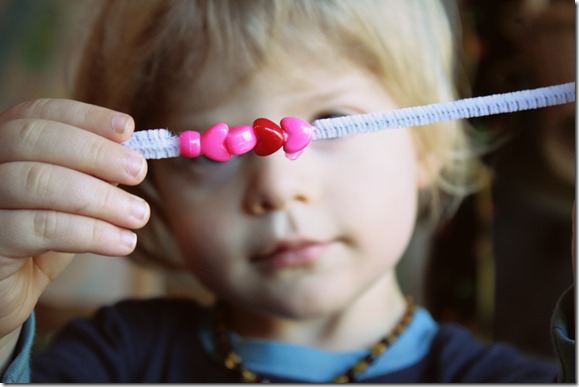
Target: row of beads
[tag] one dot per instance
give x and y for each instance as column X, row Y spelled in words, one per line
column 265, row 137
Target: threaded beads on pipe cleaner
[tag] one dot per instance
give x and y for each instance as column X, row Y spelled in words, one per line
column 293, row 134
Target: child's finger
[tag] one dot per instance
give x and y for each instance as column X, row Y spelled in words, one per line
column 65, row 145
column 29, row 185
column 105, row 122
column 29, row 233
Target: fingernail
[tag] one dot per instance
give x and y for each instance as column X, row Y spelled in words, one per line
column 140, row 209
column 129, row 239
column 136, row 165
column 120, row 123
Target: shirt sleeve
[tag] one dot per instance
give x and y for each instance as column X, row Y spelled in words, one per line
column 563, row 331
column 19, row 370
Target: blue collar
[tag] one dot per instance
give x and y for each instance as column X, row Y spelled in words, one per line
column 318, row 366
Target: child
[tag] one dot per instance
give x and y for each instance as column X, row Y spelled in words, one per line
column 299, row 254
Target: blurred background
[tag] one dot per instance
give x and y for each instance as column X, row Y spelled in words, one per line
column 497, row 267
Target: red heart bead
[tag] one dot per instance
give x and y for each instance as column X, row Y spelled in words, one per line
column 269, row 137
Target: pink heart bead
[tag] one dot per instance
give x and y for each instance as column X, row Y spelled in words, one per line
column 299, row 135
column 190, row 144
column 241, row 139
column 213, row 142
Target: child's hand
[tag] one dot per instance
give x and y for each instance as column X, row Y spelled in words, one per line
column 60, row 162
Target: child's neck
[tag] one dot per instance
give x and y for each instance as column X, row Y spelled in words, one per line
column 360, row 325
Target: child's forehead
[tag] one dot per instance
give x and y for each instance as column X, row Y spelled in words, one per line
column 311, row 92
column 288, row 70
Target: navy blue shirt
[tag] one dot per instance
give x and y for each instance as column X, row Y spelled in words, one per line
column 168, row 340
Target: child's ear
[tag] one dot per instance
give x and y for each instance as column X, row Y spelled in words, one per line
column 429, row 167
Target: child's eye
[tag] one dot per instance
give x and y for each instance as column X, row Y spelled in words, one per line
column 331, row 142
column 202, row 166
column 329, row 114
column 205, row 161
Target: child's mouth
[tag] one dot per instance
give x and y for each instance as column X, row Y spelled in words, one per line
column 289, row 254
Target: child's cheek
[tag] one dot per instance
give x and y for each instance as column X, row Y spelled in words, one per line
column 209, row 236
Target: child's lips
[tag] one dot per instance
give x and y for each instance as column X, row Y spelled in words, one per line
column 295, row 253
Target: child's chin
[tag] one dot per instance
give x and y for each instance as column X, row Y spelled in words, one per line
column 306, row 308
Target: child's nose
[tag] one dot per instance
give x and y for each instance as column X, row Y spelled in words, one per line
column 277, row 182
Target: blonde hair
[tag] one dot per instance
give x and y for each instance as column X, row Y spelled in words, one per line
column 141, row 50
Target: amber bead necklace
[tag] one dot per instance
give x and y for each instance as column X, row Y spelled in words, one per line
column 233, row 362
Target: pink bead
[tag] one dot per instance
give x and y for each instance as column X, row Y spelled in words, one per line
column 299, row 135
column 213, row 142
column 294, row 156
column 241, row 139
column 189, row 144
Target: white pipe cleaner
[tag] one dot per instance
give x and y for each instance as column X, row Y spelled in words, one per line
column 161, row 143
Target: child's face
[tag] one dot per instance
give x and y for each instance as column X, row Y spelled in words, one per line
column 296, row 238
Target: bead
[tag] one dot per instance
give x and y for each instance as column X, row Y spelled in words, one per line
column 341, row 379
column 378, row 349
column 299, row 135
column 232, row 361
column 361, row 366
column 189, row 144
column 247, row 376
column 213, row 142
column 241, row 139
column 269, row 137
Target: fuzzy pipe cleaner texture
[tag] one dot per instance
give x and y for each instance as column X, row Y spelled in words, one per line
column 162, row 143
